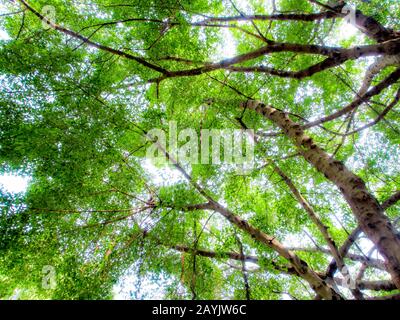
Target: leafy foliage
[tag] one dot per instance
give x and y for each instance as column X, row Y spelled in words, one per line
column 73, row 117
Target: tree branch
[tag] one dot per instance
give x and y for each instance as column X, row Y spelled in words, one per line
column 391, row 79
column 364, row 206
column 93, row 44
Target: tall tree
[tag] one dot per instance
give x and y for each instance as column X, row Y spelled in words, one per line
column 85, row 84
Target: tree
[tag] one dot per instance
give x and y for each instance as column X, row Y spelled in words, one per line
column 84, row 85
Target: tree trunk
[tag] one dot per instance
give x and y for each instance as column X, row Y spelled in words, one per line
column 365, row 207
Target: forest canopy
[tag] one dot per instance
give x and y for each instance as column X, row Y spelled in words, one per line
column 311, row 86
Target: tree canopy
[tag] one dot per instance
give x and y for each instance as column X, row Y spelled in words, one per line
column 315, row 217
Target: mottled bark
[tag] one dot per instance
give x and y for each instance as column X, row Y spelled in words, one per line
column 382, row 285
column 366, row 24
column 321, row 227
column 307, row 17
column 335, row 55
column 365, row 207
column 373, row 29
column 344, row 249
column 391, row 297
column 300, row 266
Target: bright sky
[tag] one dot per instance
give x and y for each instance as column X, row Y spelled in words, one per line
column 4, row 35
column 13, row 183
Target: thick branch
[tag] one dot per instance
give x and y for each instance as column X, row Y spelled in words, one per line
column 373, row 29
column 213, row 254
column 370, row 262
column 338, row 55
column 391, row 79
column 308, row 72
column 91, row 43
column 276, row 17
column 313, row 216
column 392, row 200
column 379, row 118
column 344, row 249
column 364, row 206
column 366, row 24
column 391, row 297
column 301, row 267
column 383, row 285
